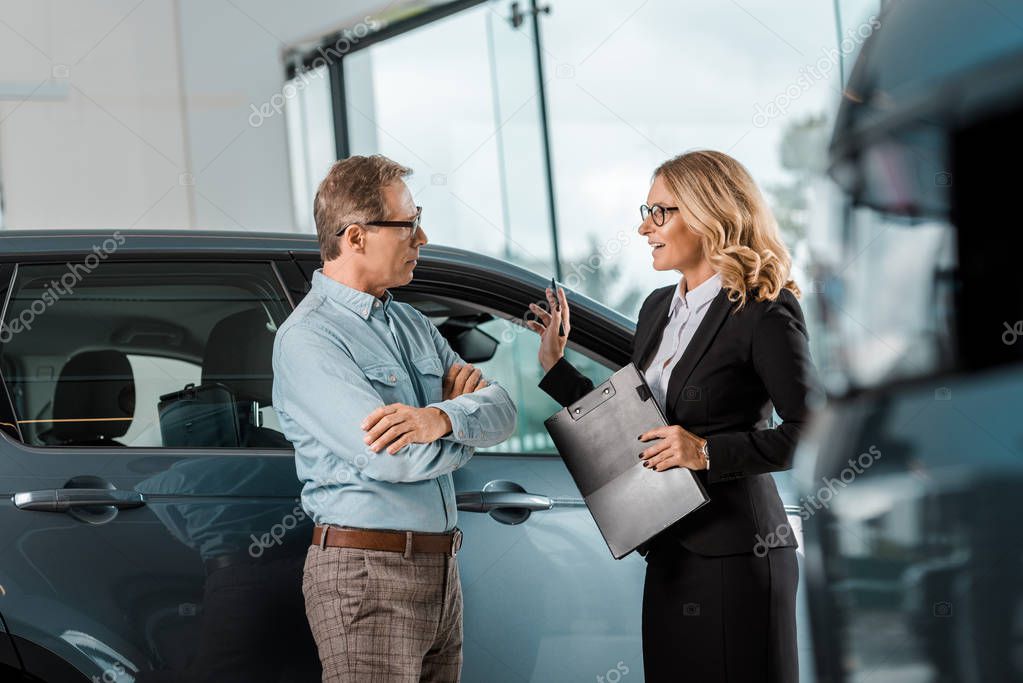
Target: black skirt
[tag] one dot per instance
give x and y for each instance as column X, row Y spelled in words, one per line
column 728, row 619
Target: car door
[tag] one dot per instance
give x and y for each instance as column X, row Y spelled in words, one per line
column 544, row 599
column 149, row 525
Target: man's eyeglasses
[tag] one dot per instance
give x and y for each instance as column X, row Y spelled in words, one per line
column 412, row 225
column 659, row 213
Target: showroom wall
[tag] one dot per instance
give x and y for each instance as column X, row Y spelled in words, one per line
column 137, row 113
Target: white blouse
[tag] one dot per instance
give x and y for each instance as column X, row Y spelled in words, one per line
column 684, row 317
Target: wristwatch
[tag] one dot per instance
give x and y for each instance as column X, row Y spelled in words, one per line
column 705, row 452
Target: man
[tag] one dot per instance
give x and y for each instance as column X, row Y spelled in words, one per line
column 377, row 432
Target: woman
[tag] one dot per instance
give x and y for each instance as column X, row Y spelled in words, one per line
column 719, row 350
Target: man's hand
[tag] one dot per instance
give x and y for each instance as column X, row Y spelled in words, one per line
column 462, row 379
column 399, row 425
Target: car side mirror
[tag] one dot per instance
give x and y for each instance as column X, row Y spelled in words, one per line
column 468, row 341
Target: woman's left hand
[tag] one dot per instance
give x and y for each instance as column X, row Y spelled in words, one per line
column 676, row 448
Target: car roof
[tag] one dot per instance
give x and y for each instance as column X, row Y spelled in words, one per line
column 22, row 244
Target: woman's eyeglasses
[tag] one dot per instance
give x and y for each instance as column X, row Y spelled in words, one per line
column 659, row 213
column 412, row 225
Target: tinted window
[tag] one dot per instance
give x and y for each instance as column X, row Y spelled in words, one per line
column 516, row 367
column 144, row 354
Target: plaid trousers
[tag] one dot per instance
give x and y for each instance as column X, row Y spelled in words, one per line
column 376, row 616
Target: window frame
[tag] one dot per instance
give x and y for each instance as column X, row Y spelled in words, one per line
column 283, row 282
column 299, row 61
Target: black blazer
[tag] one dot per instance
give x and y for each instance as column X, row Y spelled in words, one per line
column 737, row 365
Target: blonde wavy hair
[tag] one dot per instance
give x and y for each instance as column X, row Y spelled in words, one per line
column 718, row 200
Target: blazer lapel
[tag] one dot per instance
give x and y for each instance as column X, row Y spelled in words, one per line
column 716, row 313
column 647, row 343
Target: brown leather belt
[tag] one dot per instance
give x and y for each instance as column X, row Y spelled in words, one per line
column 407, row 542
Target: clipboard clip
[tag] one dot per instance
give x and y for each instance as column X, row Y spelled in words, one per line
column 601, row 394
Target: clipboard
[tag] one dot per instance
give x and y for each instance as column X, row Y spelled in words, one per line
column 596, row 437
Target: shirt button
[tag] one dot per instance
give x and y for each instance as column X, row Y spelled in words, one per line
column 461, row 434
column 392, row 378
column 365, row 311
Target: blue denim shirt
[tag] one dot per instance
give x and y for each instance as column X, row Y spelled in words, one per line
column 341, row 354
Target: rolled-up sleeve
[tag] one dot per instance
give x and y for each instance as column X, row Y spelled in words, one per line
column 322, row 390
column 482, row 418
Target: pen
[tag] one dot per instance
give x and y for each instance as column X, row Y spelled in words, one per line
column 557, row 302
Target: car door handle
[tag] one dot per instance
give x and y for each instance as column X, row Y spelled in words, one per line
column 62, row 500
column 485, row 501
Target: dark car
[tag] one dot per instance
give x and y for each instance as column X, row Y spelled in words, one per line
column 150, row 528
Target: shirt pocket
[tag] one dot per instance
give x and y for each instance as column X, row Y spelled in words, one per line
column 431, row 373
column 387, row 379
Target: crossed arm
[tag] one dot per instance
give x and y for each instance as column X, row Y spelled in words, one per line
column 397, row 425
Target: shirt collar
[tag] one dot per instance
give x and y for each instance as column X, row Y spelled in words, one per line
column 696, row 297
column 361, row 303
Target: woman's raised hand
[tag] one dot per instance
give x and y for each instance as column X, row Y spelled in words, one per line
column 546, row 322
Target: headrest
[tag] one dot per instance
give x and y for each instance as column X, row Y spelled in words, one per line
column 96, row 390
column 239, row 354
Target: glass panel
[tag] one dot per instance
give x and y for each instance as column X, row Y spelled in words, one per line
column 631, row 87
column 143, row 354
column 905, row 329
column 853, row 18
column 456, row 101
column 516, row 364
column 311, row 149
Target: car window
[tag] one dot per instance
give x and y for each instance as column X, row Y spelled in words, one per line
column 143, row 354
column 515, row 365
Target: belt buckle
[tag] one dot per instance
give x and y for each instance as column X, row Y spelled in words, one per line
column 456, row 541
